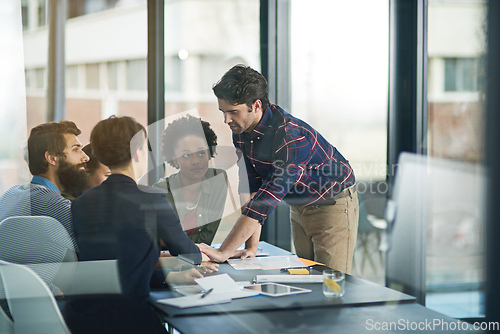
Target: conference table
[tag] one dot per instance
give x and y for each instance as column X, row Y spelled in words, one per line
column 365, row 307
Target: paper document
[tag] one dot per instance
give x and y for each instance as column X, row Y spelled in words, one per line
column 223, row 289
column 190, row 289
column 195, row 300
column 186, row 290
column 272, row 262
column 224, row 285
column 289, row 278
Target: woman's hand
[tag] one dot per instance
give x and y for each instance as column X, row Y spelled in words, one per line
column 183, row 277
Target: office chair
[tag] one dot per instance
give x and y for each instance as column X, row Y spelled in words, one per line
column 39, row 242
column 31, row 303
column 370, row 230
column 6, row 323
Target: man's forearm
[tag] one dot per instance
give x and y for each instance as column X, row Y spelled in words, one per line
column 245, row 229
column 253, row 241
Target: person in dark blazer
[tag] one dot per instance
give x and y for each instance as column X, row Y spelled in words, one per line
column 124, row 221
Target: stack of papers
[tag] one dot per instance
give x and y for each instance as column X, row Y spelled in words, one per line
column 224, row 290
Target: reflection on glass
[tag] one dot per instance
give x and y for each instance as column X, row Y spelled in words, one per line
column 456, row 40
column 101, row 37
column 216, row 34
column 106, row 57
column 197, row 193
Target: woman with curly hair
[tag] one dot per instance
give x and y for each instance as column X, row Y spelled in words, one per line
column 197, row 193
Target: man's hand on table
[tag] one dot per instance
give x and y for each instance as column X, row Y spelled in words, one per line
column 214, row 254
column 204, row 257
column 218, row 256
column 245, row 253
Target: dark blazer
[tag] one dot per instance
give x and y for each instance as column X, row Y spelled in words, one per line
column 123, row 221
column 211, row 203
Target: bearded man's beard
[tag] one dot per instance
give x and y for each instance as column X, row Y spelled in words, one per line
column 73, row 179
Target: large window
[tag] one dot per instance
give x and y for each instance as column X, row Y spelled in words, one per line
column 455, row 240
column 13, row 169
column 339, row 72
column 105, row 54
column 204, row 39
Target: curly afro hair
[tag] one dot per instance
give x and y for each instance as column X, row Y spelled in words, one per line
column 182, row 127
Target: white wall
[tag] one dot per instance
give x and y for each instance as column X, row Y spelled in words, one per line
column 449, row 20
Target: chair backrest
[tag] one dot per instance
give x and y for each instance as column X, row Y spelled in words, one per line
column 375, row 206
column 31, row 303
column 6, row 323
column 364, row 225
column 37, row 241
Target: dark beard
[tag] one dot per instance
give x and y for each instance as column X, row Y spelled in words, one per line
column 73, row 180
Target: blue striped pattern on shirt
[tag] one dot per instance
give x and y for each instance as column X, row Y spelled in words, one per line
column 36, row 200
column 286, row 159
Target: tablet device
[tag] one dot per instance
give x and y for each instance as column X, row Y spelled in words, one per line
column 276, row 290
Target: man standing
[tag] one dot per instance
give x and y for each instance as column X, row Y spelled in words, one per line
column 57, row 163
column 286, row 159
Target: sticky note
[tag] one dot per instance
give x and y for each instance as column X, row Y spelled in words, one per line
column 298, row 271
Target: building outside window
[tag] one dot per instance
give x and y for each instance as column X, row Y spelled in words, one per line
column 137, row 75
column 455, row 240
column 462, row 74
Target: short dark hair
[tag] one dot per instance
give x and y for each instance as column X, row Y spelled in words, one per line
column 112, row 143
column 48, row 137
column 242, row 84
column 182, row 127
column 93, row 164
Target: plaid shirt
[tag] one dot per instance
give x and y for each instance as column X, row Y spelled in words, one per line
column 286, row 159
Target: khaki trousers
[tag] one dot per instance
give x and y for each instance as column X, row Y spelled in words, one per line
column 327, row 233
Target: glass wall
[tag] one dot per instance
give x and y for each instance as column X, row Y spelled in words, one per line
column 204, row 39
column 13, row 168
column 106, row 43
column 455, row 240
column 339, row 85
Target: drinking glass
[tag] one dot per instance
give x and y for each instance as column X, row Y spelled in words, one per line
column 333, row 283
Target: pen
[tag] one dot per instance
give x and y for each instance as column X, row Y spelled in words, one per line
column 207, row 292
